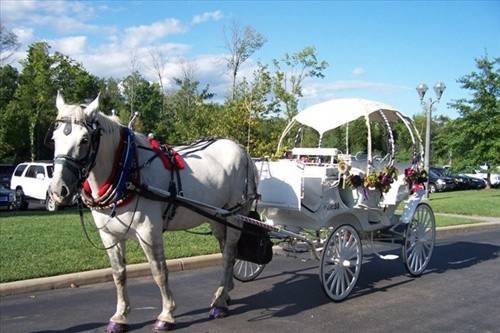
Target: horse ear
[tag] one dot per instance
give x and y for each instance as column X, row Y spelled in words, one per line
column 92, row 108
column 59, row 100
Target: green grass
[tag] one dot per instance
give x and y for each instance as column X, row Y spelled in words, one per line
column 472, row 202
column 444, row 221
column 39, row 244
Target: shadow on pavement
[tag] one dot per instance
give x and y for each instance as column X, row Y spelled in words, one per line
column 301, row 290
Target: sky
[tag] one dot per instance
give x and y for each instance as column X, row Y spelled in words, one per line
column 379, row 50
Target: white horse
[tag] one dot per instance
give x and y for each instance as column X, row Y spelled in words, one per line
column 220, row 174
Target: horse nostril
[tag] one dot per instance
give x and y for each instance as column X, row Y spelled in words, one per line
column 64, row 191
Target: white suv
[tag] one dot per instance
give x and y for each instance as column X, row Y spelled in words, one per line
column 31, row 181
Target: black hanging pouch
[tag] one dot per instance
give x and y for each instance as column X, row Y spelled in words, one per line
column 254, row 244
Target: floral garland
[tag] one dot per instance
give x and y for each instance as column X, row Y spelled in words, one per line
column 415, row 177
column 381, row 181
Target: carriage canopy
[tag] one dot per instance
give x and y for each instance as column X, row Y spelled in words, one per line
column 331, row 114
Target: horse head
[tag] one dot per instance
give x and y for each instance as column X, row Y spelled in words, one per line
column 76, row 139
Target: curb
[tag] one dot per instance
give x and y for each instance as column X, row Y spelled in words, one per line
column 73, row 280
column 464, row 228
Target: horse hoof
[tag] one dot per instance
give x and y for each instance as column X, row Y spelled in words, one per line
column 162, row 326
column 115, row 327
column 217, row 312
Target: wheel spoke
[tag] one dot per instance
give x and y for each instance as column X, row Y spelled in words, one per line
column 349, row 271
column 343, row 279
column 333, row 283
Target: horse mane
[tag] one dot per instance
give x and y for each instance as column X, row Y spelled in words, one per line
column 109, row 124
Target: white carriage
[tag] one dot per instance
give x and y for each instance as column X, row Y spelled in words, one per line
column 343, row 199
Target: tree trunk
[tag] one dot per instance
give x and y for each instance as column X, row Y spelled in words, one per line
column 488, row 179
column 235, row 72
column 33, row 142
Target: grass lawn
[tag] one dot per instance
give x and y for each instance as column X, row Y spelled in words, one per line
column 38, row 244
column 472, row 202
column 444, row 221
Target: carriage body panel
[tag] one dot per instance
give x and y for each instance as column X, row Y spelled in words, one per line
column 301, row 195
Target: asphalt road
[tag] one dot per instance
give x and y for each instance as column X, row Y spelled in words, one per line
column 460, row 292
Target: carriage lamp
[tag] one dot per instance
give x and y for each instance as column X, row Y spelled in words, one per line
column 422, row 88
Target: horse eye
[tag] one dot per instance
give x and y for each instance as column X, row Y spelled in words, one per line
column 84, row 141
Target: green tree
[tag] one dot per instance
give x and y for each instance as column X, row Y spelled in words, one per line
column 252, row 101
column 241, row 44
column 28, row 112
column 187, row 116
column 111, row 97
column 474, row 137
column 71, row 77
column 35, row 96
column 289, row 75
column 144, row 98
column 9, row 77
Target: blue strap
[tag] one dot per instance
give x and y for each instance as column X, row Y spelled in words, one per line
column 127, row 159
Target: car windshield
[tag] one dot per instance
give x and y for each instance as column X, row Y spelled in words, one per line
column 438, row 172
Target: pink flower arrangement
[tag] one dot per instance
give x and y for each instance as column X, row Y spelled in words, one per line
column 415, row 178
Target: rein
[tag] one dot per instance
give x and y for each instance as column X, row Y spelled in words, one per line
column 82, row 222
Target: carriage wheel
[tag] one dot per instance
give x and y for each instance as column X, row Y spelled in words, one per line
column 420, row 237
column 245, row 271
column 341, row 262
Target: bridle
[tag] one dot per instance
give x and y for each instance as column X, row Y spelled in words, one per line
column 80, row 167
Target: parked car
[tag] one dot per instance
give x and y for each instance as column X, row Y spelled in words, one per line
column 7, row 198
column 6, row 171
column 474, row 182
column 438, row 183
column 31, row 182
column 494, row 177
column 461, row 182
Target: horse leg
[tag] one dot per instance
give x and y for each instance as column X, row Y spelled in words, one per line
column 153, row 249
column 228, row 240
column 116, row 254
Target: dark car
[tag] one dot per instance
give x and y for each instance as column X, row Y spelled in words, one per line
column 461, row 182
column 7, row 198
column 6, row 171
column 474, row 183
column 438, row 183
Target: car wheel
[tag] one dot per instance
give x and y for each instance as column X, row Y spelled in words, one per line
column 50, row 204
column 432, row 188
column 21, row 199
